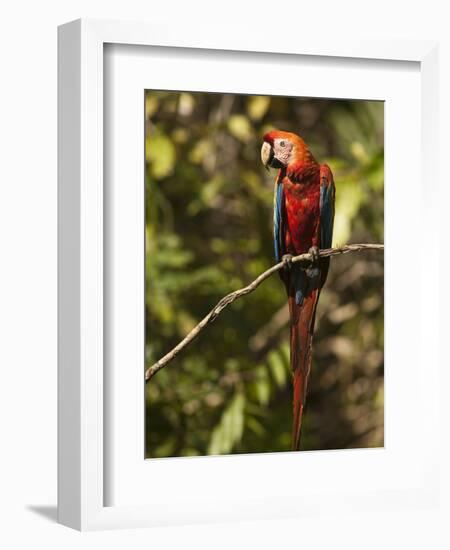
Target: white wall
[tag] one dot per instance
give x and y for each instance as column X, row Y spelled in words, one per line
column 28, row 269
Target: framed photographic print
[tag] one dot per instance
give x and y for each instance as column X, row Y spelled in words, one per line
column 228, row 314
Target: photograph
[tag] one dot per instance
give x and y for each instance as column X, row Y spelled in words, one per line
column 264, row 274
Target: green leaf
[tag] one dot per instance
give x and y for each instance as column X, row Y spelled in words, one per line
column 348, row 201
column 277, row 368
column 255, row 426
column 261, row 385
column 239, row 126
column 160, row 154
column 257, row 106
column 230, row 428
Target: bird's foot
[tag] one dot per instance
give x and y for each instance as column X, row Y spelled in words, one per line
column 314, row 252
column 287, row 261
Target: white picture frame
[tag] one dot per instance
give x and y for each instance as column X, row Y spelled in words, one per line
column 84, row 478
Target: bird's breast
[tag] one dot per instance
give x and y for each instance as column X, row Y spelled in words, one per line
column 302, row 207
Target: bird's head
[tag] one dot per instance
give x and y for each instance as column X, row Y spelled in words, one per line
column 281, row 149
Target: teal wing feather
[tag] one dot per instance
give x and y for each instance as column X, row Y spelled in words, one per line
column 278, row 222
column 326, row 210
column 327, row 194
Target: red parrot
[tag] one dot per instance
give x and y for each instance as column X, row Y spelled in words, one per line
column 303, row 222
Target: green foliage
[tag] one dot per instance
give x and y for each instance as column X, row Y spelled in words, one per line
column 230, row 428
column 208, row 231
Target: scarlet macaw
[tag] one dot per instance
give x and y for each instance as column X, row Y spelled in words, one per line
column 303, row 222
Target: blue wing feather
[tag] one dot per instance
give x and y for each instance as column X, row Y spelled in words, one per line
column 326, row 213
column 278, row 222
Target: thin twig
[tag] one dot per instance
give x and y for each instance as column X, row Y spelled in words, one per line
column 230, row 298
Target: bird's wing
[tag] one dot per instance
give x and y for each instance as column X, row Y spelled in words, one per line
column 327, row 192
column 279, row 221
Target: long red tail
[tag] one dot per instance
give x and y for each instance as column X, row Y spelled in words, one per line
column 302, row 329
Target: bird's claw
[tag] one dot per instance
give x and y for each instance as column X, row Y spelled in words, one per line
column 314, row 252
column 287, row 261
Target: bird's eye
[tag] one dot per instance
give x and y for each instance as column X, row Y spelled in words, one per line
column 282, row 143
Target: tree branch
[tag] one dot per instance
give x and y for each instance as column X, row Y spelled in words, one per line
column 230, row 298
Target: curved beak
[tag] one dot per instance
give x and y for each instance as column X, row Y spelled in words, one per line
column 266, row 154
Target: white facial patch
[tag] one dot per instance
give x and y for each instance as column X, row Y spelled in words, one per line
column 282, row 149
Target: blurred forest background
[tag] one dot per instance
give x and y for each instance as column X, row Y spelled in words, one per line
column 209, row 231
